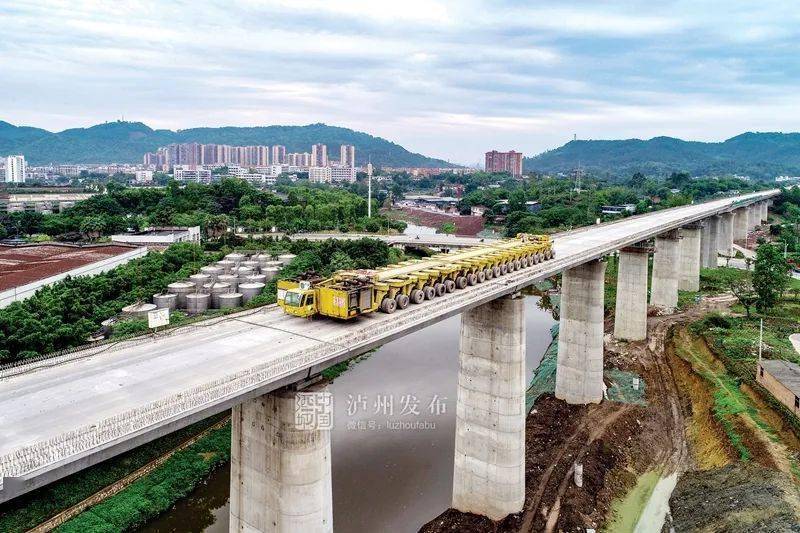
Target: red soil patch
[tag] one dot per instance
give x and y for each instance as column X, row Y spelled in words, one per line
column 25, row 264
column 465, row 225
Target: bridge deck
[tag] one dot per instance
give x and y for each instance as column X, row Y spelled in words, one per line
column 62, row 416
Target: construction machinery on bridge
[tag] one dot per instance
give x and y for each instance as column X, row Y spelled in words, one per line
column 351, row 293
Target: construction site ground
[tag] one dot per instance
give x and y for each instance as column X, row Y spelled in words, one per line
column 620, row 444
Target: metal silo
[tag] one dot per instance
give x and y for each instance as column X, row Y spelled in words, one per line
column 230, row 300
column 197, row 302
column 166, row 301
column 181, row 289
column 250, row 290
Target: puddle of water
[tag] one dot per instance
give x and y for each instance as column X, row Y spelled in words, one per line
column 384, row 479
column 644, row 508
column 655, row 512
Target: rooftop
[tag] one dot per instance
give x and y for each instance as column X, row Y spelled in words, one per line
column 786, row 372
column 27, row 263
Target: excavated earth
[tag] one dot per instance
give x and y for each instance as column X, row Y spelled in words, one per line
column 616, row 442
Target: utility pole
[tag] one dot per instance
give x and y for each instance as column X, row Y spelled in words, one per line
column 369, row 188
column 760, row 338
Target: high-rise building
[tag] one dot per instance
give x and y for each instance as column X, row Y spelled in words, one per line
column 347, row 155
column 319, row 155
column 15, row 169
column 278, row 155
column 510, row 162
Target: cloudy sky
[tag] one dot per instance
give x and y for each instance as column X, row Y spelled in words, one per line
column 448, row 79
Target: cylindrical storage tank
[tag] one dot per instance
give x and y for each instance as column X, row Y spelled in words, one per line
column 166, row 301
column 230, row 279
column 226, row 265
column 257, row 278
column 236, row 258
column 230, row 300
column 199, row 279
column 212, row 271
column 214, row 290
column 138, row 309
column 286, row 258
column 181, row 289
column 272, row 264
column 250, row 290
column 250, row 264
column 242, row 272
column 270, row 272
column 262, row 259
column 197, row 302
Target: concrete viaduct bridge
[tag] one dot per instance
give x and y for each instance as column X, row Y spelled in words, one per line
column 63, row 414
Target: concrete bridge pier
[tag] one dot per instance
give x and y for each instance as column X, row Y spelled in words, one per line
column 689, row 265
column 489, row 464
column 725, row 234
column 664, row 289
column 280, row 472
column 579, row 371
column 630, row 316
column 753, row 216
column 712, row 243
column 764, row 211
column 705, row 235
column 741, row 224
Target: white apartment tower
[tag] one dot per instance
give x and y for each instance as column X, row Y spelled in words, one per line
column 347, row 155
column 319, row 155
column 15, row 169
column 278, row 155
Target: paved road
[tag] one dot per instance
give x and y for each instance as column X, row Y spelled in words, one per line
column 67, row 416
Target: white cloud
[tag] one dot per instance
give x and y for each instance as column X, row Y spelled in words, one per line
column 446, row 78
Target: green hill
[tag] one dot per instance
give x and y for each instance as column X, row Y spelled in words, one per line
column 126, row 142
column 759, row 155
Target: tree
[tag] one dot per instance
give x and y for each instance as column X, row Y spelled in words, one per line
column 637, row 180
column 770, row 276
column 93, row 226
column 448, row 228
column 516, row 201
column 742, row 289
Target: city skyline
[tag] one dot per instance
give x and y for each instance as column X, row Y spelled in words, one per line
column 530, row 76
column 196, row 154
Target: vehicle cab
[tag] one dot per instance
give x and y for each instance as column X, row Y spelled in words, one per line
column 298, row 299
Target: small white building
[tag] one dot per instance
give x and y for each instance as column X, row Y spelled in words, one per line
column 144, row 176
column 159, row 236
column 319, row 174
column 192, row 173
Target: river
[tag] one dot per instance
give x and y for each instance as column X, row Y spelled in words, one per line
column 383, row 479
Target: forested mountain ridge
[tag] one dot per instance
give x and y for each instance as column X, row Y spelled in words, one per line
column 126, row 142
column 759, row 155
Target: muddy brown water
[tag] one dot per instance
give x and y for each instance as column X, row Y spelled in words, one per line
column 385, row 477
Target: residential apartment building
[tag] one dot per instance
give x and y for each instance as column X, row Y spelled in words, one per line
column 15, row 169
column 510, row 162
column 342, row 174
column 319, row 155
column 347, row 155
column 278, row 154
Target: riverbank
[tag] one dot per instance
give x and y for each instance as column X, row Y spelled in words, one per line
column 154, row 493
column 30, row 510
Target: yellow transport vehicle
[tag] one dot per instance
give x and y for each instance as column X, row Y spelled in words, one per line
column 350, row 293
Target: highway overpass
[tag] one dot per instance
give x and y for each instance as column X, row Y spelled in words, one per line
column 64, row 414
